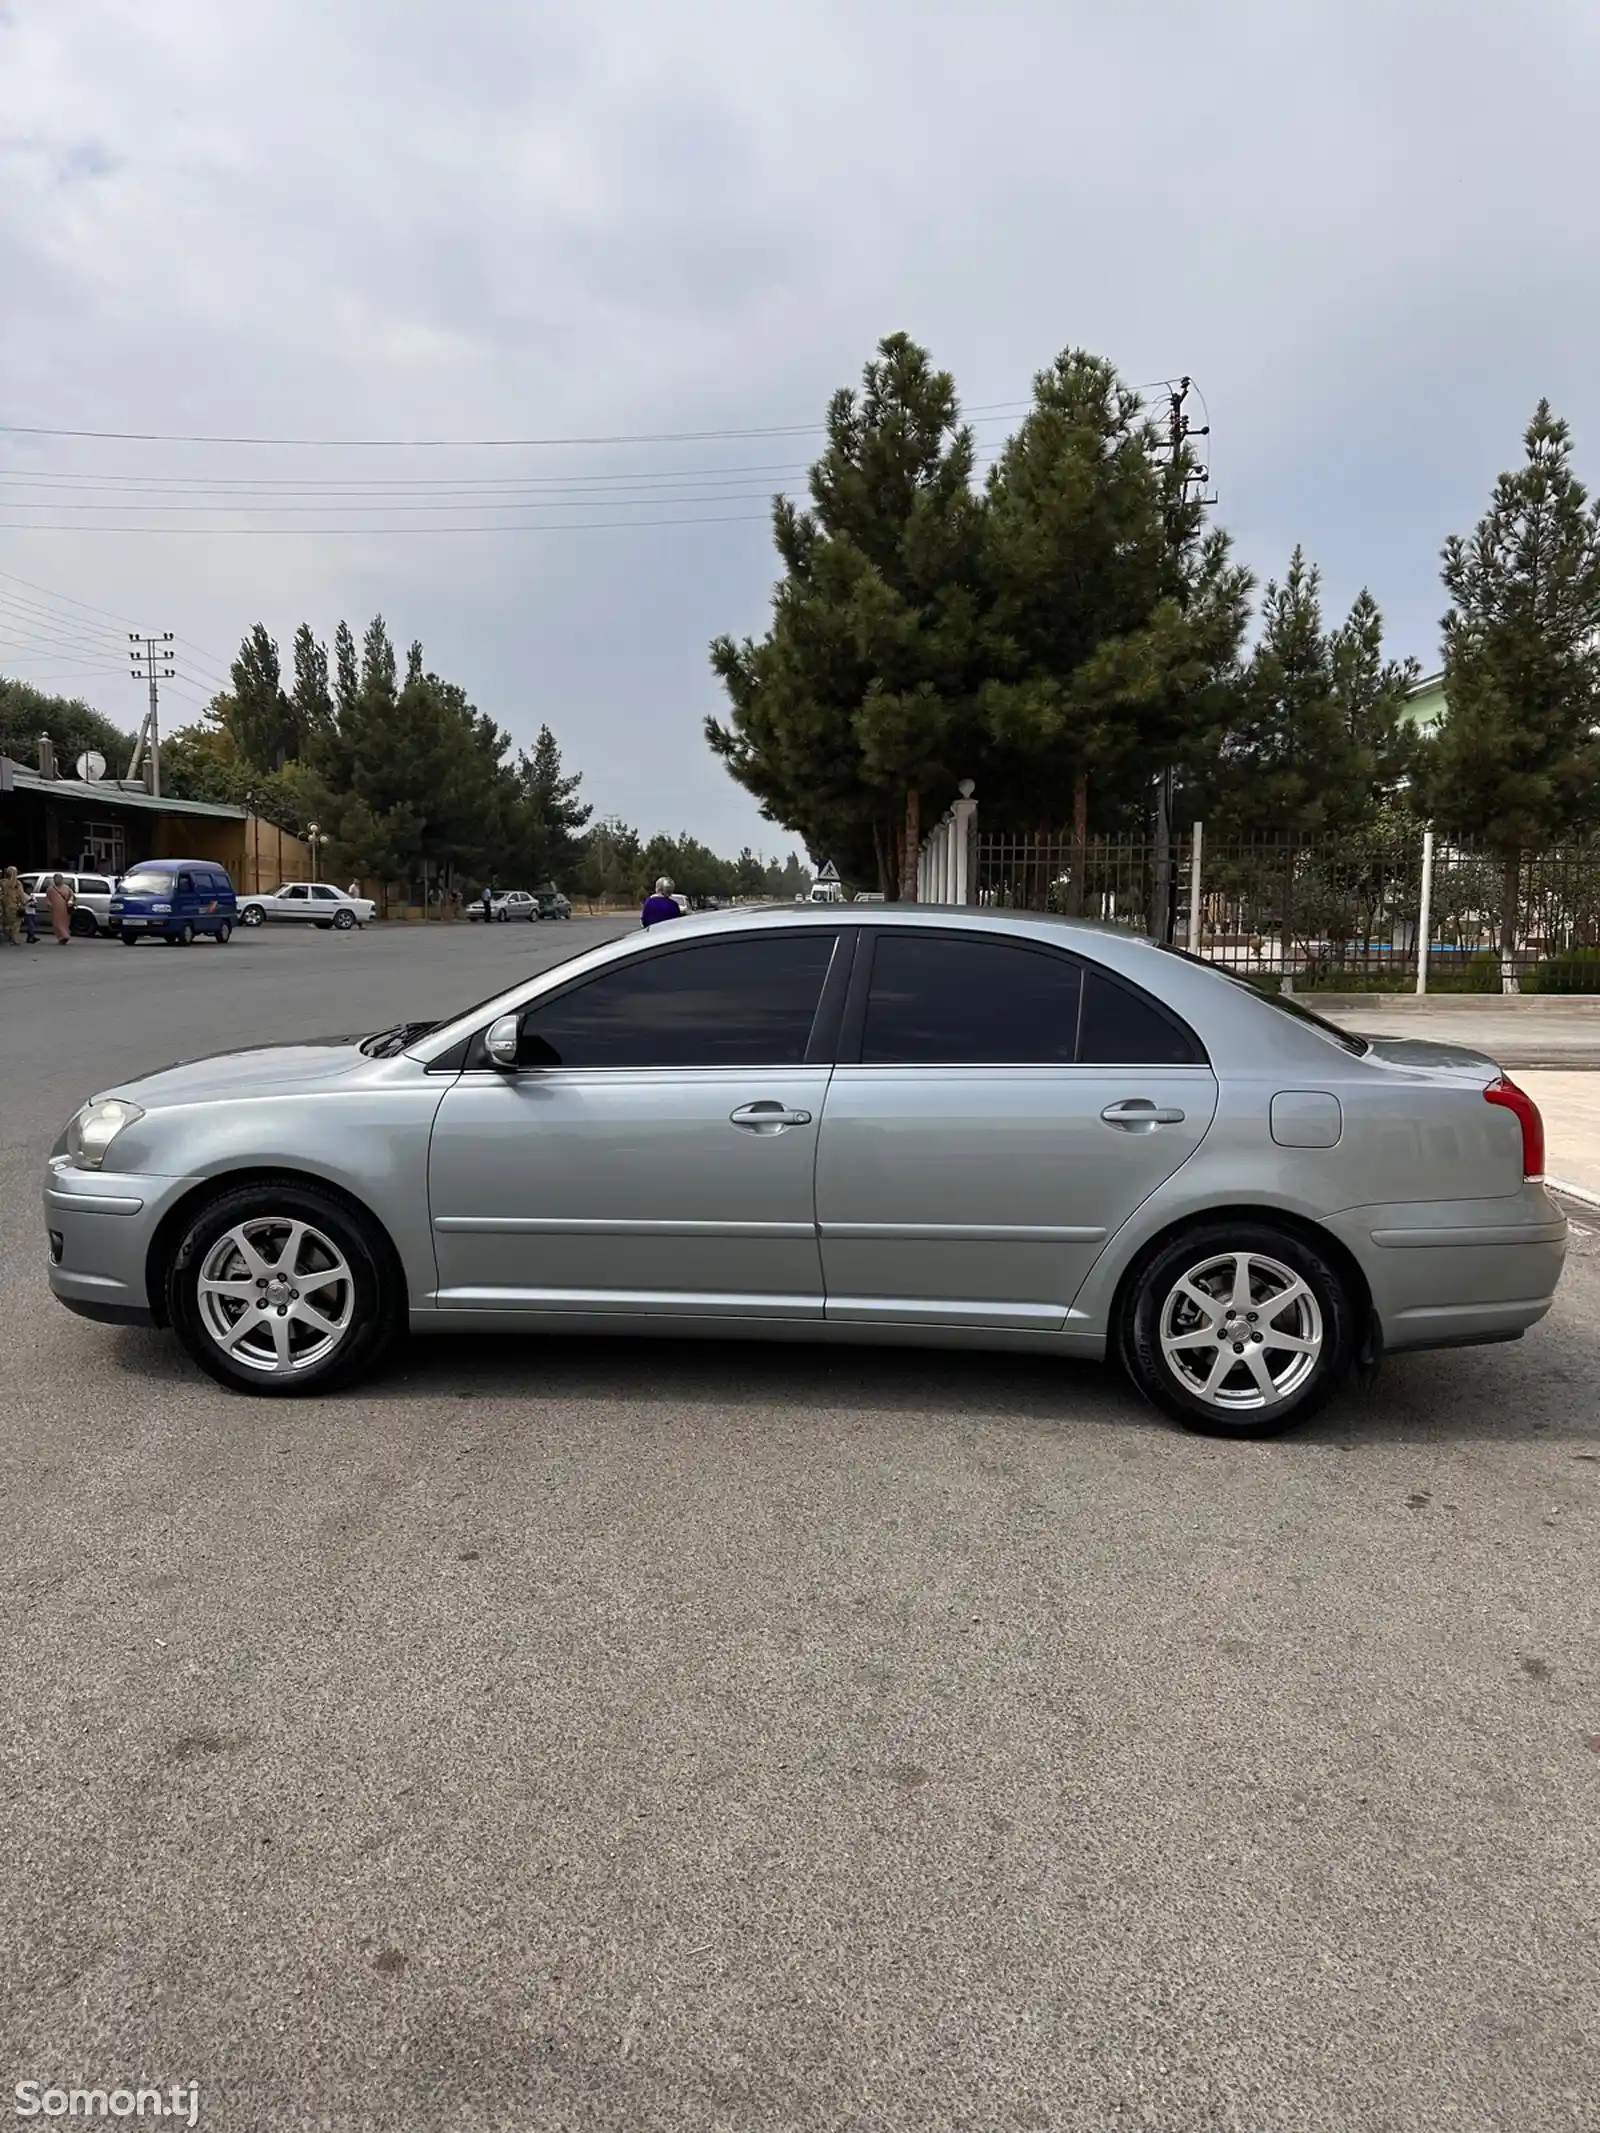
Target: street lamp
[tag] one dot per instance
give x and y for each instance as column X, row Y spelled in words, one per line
column 313, row 833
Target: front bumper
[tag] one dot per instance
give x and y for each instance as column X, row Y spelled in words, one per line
column 100, row 1226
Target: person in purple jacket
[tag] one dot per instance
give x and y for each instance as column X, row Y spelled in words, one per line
column 662, row 904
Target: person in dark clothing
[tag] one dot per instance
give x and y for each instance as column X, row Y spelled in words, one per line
column 488, row 902
column 660, row 905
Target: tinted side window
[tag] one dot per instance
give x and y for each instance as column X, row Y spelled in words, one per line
column 92, row 885
column 1125, row 1027
column 962, row 1000
column 186, row 884
column 731, row 1003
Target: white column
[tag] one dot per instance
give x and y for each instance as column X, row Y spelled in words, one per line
column 961, row 836
column 1195, row 844
column 1425, row 911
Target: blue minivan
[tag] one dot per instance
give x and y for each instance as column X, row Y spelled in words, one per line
column 172, row 900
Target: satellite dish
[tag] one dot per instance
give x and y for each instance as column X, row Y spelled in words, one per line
column 92, row 766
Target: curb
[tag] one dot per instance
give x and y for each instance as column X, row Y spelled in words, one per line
column 1574, row 1192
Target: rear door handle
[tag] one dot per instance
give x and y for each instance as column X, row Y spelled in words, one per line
column 1137, row 1114
column 767, row 1116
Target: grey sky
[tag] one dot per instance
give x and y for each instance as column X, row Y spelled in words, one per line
column 1367, row 230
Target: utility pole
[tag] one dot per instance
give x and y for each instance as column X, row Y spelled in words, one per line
column 1181, row 477
column 151, row 663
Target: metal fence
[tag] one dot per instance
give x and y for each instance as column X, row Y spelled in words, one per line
column 1371, row 911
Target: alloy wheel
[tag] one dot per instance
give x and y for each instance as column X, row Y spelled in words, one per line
column 276, row 1295
column 1241, row 1331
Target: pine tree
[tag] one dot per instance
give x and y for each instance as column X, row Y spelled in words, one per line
column 1112, row 613
column 1516, row 759
column 553, row 817
column 860, row 699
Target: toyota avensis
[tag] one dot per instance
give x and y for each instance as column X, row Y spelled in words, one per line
column 968, row 1128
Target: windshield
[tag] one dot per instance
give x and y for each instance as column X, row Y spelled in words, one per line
column 151, row 884
column 1284, row 1002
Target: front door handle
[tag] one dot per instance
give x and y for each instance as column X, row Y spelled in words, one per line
column 1137, row 1114
column 767, row 1116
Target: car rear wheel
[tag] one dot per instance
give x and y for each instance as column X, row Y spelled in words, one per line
column 252, row 915
column 83, row 923
column 225, row 933
column 280, row 1289
column 343, row 921
column 1239, row 1329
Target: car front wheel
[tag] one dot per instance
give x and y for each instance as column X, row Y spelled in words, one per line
column 1239, row 1329
column 280, row 1289
column 252, row 915
column 343, row 921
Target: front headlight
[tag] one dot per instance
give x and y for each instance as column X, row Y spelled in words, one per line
column 161, row 907
column 94, row 1129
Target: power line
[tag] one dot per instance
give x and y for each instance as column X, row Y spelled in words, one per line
column 991, row 411
column 621, row 525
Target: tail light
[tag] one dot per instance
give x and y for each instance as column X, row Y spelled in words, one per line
column 1522, row 1107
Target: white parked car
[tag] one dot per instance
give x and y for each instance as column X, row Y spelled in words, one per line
column 91, row 898
column 313, row 902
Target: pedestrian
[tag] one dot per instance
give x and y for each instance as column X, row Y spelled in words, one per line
column 60, row 900
column 354, row 889
column 488, row 902
column 14, row 901
column 659, row 905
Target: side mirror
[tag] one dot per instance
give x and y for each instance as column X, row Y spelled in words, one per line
column 500, row 1041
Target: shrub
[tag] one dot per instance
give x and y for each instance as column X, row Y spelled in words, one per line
column 1577, row 970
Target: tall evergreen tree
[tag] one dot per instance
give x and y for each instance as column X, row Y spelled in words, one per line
column 310, row 700
column 347, row 673
column 259, row 714
column 1516, row 761
column 1112, row 609
column 553, row 817
column 860, row 699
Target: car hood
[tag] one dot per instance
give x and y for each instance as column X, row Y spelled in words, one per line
column 1425, row 1052
column 263, row 1070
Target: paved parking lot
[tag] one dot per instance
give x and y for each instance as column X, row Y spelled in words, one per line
column 636, row 1735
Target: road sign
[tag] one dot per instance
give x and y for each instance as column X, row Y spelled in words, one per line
column 829, row 872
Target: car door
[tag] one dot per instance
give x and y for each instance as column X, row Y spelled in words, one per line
column 656, row 1152
column 293, row 900
column 999, row 1108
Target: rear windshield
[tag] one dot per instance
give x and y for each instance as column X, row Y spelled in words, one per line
column 147, row 884
column 1285, row 1003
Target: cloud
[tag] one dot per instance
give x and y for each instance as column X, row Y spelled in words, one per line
column 1366, row 230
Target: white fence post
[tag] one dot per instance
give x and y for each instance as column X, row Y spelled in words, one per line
column 1194, row 887
column 1425, row 911
column 965, row 809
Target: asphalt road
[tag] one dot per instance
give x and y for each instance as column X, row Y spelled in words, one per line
column 634, row 1736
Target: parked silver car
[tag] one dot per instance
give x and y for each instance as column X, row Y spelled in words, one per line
column 978, row 1129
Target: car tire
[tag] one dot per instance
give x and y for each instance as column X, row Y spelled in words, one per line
column 184, row 937
column 225, row 933
column 129, row 940
column 252, row 915
column 283, row 1351
column 1265, row 1295
column 343, row 921
column 83, row 923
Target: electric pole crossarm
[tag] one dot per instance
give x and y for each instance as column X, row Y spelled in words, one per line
column 152, row 663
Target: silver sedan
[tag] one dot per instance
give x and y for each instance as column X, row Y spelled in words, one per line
column 976, row 1129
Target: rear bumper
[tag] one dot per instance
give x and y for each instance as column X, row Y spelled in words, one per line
column 1452, row 1274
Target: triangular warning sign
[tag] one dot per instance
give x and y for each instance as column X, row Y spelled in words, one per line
column 829, row 871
